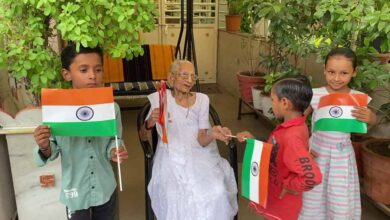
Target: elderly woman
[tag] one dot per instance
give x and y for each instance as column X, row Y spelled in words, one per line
column 190, row 180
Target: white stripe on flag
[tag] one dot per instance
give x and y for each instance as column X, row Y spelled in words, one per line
column 254, row 179
column 325, row 112
column 101, row 112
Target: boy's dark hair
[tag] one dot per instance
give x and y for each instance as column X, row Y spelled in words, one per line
column 69, row 53
column 345, row 52
column 296, row 89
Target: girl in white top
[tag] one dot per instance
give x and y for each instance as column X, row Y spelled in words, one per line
column 338, row 196
column 190, row 180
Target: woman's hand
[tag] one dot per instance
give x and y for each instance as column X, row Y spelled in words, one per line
column 153, row 118
column 364, row 114
column 242, row 136
column 221, row 133
column 121, row 154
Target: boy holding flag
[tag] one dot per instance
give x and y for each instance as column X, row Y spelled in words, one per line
column 88, row 181
column 291, row 168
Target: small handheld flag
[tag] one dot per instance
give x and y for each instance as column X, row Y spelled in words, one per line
column 334, row 113
column 163, row 109
column 79, row 112
column 255, row 168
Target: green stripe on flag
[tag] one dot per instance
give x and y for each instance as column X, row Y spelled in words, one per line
column 94, row 128
column 341, row 125
column 246, row 168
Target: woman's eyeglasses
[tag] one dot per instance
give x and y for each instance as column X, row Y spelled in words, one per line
column 186, row 76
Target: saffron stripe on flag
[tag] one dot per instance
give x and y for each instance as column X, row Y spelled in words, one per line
column 264, row 170
column 98, row 128
column 98, row 112
column 341, row 125
column 344, row 99
column 99, row 95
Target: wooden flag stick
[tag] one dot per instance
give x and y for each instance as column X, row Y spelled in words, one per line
column 232, row 136
column 119, row 164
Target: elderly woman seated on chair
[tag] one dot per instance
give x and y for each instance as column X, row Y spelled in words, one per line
column 190, row 180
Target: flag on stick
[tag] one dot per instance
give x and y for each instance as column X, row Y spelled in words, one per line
column 254, row 183
column 334, row 113
column 79, row 112
column 163, row 110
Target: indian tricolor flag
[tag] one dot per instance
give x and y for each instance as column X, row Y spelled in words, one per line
column 162, row 92
column 334, row 113
column 79, row 112
column 254, row 183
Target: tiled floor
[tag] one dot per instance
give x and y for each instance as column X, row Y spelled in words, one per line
column 131, row 199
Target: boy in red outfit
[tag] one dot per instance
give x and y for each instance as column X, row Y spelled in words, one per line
column 292, row 169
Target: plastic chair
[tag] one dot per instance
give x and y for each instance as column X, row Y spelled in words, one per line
column 149, row 149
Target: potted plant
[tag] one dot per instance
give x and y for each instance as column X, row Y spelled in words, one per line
column 233, row 18
column 376, row 160
column 372, row 79
column 299, row 28
column 31, row 31
column 287, row 35
column 250, row 80
column 277, row 66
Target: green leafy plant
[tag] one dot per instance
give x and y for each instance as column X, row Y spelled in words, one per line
column 357, row 24
column 277, row 67
column 298, row 28
column 290, row 23
column 234, row 7
column 289, row 33
column 27, row 28
column 270, row 79
column 371, row 75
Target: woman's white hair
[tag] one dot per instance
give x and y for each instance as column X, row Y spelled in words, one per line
column 175, row 68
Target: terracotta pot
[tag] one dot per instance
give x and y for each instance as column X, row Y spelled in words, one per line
column 384, row 58
column 233, row 22
column 245, row 83
column 376, row 161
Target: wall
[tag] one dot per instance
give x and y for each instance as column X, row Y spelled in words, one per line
column 236, row 50
column 7, row 196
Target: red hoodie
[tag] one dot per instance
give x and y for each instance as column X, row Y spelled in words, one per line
column 291, row 167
